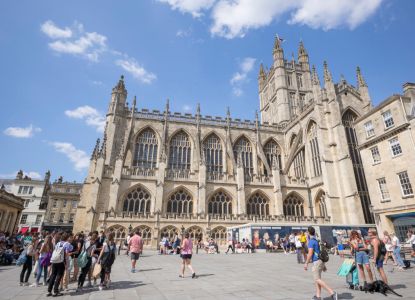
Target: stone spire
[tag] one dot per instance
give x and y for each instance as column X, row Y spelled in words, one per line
column 103, row 150
column 327, row 74
column 360, row 80
column 228, row 117
column 314, row 78
column 120, row 87
column 303, row 55
column 278, row 53
column 95, row 152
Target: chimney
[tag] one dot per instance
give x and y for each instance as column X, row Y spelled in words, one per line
column 409, row 91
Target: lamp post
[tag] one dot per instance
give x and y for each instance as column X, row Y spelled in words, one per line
column 182, row 231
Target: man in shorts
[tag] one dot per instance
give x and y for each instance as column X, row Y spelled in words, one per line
column 378, row 253
column 135, row 247
column 318, row 266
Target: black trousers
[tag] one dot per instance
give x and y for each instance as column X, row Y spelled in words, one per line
column 84, row 272
column 27, row 268
column 230, row 247
column 55, row 279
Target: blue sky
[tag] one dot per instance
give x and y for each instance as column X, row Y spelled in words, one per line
column 59, row 61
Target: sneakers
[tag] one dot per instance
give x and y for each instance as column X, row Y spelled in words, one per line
column 132, row 270
column 21, row 283
column 26, row 284
column 316, row 298
column 89, row 284
column 108, row 284
column 194, row 275
column 48, row 294
column 34, row 285
column 100, row 287
column 79, row 289
column 334, row 296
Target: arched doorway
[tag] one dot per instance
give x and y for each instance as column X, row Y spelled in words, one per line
column 120, row 233
column 219, row 235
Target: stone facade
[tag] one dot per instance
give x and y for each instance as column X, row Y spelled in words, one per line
column 386, row 137
column 63, row 199
column 162, row 171
column 34, row 192
column 11, row 208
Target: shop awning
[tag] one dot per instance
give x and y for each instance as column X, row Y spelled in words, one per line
column 24, row 229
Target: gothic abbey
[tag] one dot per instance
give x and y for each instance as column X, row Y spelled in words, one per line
column 298, row 164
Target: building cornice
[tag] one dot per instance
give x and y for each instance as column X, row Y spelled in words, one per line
column 386, row 135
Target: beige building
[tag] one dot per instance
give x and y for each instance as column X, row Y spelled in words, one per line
column 298, row 164
column 63, row 199
column 11, row 208
column 386, row 137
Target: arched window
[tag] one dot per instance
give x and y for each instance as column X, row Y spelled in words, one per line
column 180, row 202
column 119, row 232
column 145, row 155
column 212, row 150
column 272, row 151
column 219, row 235
column 145, row 232
column 321, row 209
column 137, row 201
column 169, row 232
column 180, row 152
column 315, row 152
column 293, row 206
column 348, row 119
column 298, row 164
column 243, row 151
column 220, row 204
column 257, row 205
column 195, row 232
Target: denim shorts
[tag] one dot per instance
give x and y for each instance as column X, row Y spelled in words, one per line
column 379, row 263
column 362, row 258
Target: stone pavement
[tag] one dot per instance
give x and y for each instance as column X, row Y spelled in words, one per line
column 233, row 276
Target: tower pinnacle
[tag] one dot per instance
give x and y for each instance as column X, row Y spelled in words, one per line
column 360, row 80
column 327, row 74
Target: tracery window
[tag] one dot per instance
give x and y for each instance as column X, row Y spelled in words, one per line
column 219, row 235
column 257, row 205
column 293, row 206
column 212, row 150
column 169, row 232
column 243, row 150
column 195, row 232
column 272, row 151
column 321, row 208
column 299, row 170
column 220, row 204
column 315, row 152
column 180, row 152
column 119, row 232
column 145, row 155
column 137, row 201
column 180, row 202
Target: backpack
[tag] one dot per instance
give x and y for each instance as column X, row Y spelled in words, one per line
column 83, row 257
column 22, row 258
column 110, row 257
column 323, row 255
column 58, row 255
column 382, row 249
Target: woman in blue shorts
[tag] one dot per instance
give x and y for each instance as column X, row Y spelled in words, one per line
column 361, row 255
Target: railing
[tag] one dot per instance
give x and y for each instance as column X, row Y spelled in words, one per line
column 177, row 174
column 215, row 176
column 137, row 171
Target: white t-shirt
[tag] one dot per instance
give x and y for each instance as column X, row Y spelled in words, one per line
column 395, row 241
column 412, row 239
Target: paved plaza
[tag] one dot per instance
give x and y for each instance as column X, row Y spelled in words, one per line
column 238, row 276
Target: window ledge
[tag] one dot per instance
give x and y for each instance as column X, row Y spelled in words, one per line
column 387, row 128
column 408, row 196
column 376, row 163
column 385, row 201
column 397, row 155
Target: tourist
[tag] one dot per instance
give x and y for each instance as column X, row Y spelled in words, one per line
column 389, row 248
column 291, row 243
column 58, row 260
column 231, row 245
column 176, row 244
column 135, row 247
column 45, row 253
column 164, row 245
column 186, row 254
column 397, row 251
column 69, row 251
column 89, row 248
column 127, row 241
column 379, row 251
column 77, row 245
column 99, row 242
column 29, row 252
column 303, row 240
column 411, row 240
column 299, row 248
column 318, row 266
column 361, row 256
column 106, row 259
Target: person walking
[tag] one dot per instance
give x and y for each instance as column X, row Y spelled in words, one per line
column 87, row 251
column 69, row 251
column 411, row 240
column 77, row 244
column 106, row 259
column 299, row 249
column 362, row 257
column 397, row 251
column 379, row 252
column 135, row 246
column 28, row 264
column 318, row 266
column 45, row 253
column 186, row 250
column 58, row 266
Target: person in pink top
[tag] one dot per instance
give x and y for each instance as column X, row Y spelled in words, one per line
column 135, row 247
column 186, row 254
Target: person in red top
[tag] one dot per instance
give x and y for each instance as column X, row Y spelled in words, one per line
column 135, row 247
column 186, row 254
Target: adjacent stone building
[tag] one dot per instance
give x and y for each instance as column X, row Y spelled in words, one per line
column 161, row 171
column 386, row 138
column 63, row 198
column 11, row 208
column 34, row 193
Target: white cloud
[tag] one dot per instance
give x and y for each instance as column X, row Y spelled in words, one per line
column 186, row 108
column 91, row 116
column 20, row 132
column 233, row 18
column 240, row 77
column 193, row 7
column 182, row 33
column 31, row 174
column 96, row 82
column 78, row 157
column 51, row 30
column 89, row 45
column 136, row 70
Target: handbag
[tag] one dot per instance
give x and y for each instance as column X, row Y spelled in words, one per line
column 97, row 270
column 45, row 260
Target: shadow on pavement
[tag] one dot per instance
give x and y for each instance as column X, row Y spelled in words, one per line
column 117, row 285
column 398, row 286
column 146, row 270
column 342, row 296
column 203, row 275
